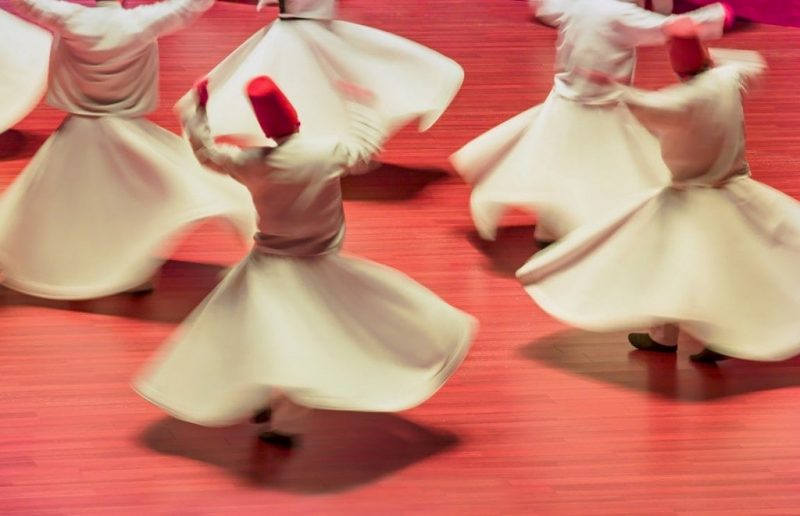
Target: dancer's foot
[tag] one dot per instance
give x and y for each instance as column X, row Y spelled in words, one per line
column 542, row 237
column 708, row 356
column 644, row 342
column 278, row 439
column 262, row 416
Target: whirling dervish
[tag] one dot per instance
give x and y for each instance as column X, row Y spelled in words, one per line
column 96, row 206
column 296, row 325
column 715, row 253
column 581, row 152
column 307, row 52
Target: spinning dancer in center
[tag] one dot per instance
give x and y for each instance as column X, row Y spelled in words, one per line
column 296, row 324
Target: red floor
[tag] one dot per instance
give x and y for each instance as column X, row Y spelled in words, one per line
column 540, row 420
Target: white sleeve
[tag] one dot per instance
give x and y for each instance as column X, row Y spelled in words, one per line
column 363, row 141
column 168, row 16
column 548, row 12
column 635, row 27
column 48, row 13
column 745, row 65
column 710, row 21
column 672, row 106
column 225, row 159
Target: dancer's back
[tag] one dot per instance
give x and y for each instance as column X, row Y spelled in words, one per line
column 107, row 171
column 104, row 59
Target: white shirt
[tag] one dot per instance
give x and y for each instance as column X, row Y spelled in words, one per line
column 104, row 59
column 597, row 40
column 295, row 186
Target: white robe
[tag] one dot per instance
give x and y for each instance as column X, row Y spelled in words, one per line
column 324, row 330
column 716, row 252
column 101, row 198
column 581, row 152
column 24, row 53
column 306, row 53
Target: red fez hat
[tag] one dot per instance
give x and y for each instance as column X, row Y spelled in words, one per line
column 275, row 114
column 688, row 56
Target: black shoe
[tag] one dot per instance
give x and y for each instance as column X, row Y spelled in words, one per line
column 262, row 416
column 645, row 343
column 278, row 439
column 708, row 356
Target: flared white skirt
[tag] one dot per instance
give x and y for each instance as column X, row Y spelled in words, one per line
column 307, row 59
column 24, row 58
column 328, row 332
column 722, row 263
column 563, row 161
column 97, row 205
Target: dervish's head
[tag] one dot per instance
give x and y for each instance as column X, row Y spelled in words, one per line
column 275, row 114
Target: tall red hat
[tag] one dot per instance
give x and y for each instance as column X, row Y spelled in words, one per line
column 275, row 114
column 688, row 56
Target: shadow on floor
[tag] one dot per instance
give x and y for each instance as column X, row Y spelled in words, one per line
column 180, row 288
column 513, row 246
column 19, row 145
column 390, row 183
column 341, row 451
column 608, row 358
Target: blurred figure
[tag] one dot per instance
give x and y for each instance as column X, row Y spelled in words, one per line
column 24, row 53
column 714, row 254
column 581, row 152
column 105, row 192
column 306, row 51
column 295, row 324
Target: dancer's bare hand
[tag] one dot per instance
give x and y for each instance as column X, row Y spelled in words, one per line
column 201, row 88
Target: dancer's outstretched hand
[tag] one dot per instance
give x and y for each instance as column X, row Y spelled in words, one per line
column 201, row 88
column 730, row 15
